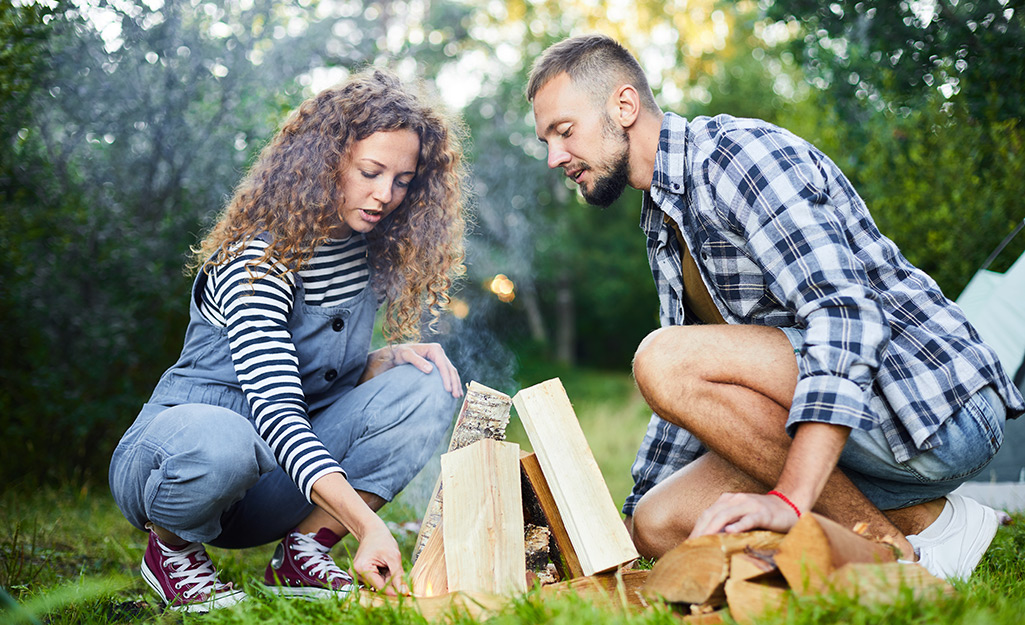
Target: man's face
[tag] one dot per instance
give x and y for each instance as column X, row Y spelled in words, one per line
column 582, row 139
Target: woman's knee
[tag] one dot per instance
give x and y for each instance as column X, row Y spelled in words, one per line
column 193, row 462
column 427, row 395
column 211, row 437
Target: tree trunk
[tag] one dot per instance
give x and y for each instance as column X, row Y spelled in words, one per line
column 565, row 337
column 535, row 321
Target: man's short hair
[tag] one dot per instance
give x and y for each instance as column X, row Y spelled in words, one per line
column 598, row 63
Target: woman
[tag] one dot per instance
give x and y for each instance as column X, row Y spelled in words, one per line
column 276, row 423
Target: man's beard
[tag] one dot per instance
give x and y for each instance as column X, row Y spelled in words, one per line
column 608, row 187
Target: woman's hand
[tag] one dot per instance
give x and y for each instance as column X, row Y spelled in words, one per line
column 378, row 561
column 421, row 356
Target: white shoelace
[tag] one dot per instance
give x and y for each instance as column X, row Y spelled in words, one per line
column 197, row 576
column 314, row 559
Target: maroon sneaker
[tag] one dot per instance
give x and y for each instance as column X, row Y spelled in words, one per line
column 301, row 567
column 185, row 578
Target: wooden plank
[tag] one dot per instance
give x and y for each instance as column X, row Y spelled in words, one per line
column 474, row 604
column 429, row 576
column 620, row 589
column 596, row 531
column 749, row 600
column 565, row 558
column 482, row 519
column 695, row 570
column 886, row 583
column 484, row 414
column 817, row 546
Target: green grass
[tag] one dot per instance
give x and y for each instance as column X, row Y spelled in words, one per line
column 68, row 556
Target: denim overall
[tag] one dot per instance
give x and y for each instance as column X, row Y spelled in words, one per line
column 194, row 464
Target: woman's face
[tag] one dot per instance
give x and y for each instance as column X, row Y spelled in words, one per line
column 375, row 179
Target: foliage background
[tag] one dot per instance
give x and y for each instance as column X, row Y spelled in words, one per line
column 125, row 124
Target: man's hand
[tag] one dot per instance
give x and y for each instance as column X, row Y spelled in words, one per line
column 379, row 563
column 740, row 512
column 421, row 356
column 811, row 458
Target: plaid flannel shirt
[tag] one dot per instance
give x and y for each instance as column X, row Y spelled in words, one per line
column 782, row 239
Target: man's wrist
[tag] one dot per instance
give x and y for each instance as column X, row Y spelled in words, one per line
column 786, row 500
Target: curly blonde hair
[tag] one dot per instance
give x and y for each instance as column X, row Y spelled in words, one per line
column 292, row 192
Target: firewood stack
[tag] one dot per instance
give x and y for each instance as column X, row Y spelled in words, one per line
column 752, row 572
column 502, row 520
column 496, row 510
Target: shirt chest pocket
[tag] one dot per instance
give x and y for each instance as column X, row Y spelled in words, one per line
column 740, row 282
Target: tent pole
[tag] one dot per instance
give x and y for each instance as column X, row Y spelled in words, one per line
column 1003, row 244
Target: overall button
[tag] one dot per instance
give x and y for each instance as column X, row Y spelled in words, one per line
column 337, row 324
column 330, row 375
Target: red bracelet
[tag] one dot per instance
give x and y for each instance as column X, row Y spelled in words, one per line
column 786, row 500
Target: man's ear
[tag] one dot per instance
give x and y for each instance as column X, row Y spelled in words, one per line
column 626, row 103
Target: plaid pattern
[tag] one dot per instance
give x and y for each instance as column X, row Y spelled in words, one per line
column 783, row 240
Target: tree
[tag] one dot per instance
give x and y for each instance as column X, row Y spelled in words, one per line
column 125, row 128
column 896, row 54
column 912, row 101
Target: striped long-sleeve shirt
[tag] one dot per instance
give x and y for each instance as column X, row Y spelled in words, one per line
column 263, row 355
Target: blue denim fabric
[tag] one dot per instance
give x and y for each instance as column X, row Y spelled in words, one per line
column 202, row 471
column 967, row 441
column 194, row 464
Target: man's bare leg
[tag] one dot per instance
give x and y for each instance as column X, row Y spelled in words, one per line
column 666, row 514
column 731, row 386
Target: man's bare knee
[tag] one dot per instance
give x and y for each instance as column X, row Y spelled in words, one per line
column 655, row 529
column 656, row 354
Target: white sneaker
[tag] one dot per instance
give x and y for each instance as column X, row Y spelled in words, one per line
column 953, row 551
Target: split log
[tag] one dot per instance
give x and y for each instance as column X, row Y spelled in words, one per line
column 535, row 540
column 613, row 589
column 817, row 546
column 596, row 531
column 886, row 583
column 748, row 600
column 484, row 414
column 695, row 570
column 753, row 564
column 482, row 519
column 429, row 575
column 536, row 488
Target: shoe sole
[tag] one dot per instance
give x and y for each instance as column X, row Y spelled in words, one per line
column 310, row 593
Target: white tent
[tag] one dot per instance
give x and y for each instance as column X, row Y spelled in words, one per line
column 995, row 305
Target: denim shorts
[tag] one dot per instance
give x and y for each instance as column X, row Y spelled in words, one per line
column 967, row 441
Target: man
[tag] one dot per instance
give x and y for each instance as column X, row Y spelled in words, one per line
column 803, row 363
